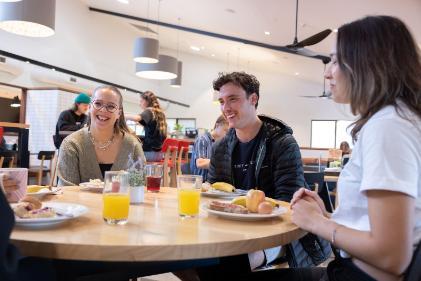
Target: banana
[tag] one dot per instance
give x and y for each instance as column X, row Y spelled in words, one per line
column 272, row 201
column 223, row 186
column 240, row 200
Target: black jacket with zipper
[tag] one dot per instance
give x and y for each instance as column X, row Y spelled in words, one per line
column 279, row 171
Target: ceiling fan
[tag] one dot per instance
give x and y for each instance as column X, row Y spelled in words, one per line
column 299, row 46
column 324, row 95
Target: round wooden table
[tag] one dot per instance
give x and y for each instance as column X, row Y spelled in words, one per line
column 154, row 232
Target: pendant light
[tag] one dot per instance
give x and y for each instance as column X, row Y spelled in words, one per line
column 15, row 102
column 176, row 83
column 166, row 68
column 28, row 17
column 146, row 49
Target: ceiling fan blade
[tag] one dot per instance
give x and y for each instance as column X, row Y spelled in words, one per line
column 310, row 97
column 306, row 52
column 312, row 40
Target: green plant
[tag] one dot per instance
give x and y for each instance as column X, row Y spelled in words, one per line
column 136, row 177
column 178, row 127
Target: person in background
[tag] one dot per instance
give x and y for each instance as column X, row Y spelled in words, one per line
column 344, row 146
column 104, row 145
column 72, row 119
column 154, row 122
column 377, row 224
column 202, row 148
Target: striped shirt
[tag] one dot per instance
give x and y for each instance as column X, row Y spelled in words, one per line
column 202, row 149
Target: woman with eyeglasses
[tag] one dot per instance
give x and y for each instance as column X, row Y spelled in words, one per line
column 154, row 122
column 104, row 145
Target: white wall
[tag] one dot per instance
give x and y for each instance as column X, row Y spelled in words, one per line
column 101, row 46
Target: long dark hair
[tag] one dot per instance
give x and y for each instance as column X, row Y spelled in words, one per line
column 382, row 65
column 120, row 125
column 159, row 115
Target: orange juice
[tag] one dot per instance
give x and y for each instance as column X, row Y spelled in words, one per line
column 116, row 206
column 188, row 202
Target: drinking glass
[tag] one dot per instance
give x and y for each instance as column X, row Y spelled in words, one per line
column 116, row 197
column 189, row 187
column 153, row 173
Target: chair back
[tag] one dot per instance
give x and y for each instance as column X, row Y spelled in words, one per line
column 413, row 273
column 317, row 179
column 169, row 144
column 1, row 132
column 46, row 155
column 10, row 155
column 183, row 154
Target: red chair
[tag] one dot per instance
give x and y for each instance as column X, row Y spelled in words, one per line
column 183, row 155
column 170, row 149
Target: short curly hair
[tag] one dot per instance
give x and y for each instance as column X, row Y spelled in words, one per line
column 247, row 82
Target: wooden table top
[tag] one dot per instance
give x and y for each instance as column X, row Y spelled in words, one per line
column 154, row 232
column 14, row 125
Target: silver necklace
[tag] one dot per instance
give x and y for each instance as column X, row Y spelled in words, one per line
column 101, row 145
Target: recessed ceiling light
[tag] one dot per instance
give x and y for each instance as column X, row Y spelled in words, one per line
column 123, row 1
column 202, row 47
column 27, row 61
column 335, row 30
column 212, row 55
column 267, row 33
column 297, row 73
column 53, row 69
column 195, row 48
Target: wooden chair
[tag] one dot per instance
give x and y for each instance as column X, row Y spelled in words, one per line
column 9, row 155
column 183, row 154
column 170, row 149
column 41, row 170
column 317, row 180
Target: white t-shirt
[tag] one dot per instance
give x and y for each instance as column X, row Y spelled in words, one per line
column 386, row 156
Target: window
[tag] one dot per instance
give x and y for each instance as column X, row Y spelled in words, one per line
column 187, row 123
column 329, row 133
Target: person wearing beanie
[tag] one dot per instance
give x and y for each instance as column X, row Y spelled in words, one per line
column 72, row 119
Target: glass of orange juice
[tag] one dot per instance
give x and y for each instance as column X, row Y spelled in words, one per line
column 189, row 187
column 116, row 198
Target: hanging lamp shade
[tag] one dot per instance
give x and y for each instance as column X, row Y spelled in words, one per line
column 28, row 17
column 10, row 0
column 176, row 83
column 166, row 68
column 146, row 50
column 15, row 102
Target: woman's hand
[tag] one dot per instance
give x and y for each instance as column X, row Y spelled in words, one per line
column 303, row 192
column 306, row 213
column 9, row 184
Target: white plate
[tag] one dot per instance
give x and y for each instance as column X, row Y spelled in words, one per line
column 67, row 211
column 88, row 186
column 40, row 194
column 245, row 217
column 212, row 193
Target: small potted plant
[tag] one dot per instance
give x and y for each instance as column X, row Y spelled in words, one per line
column 136, row 181
column 178, row 128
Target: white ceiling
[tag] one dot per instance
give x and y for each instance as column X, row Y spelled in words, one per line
column 249, row 19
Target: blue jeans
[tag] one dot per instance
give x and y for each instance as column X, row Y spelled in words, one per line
column 153, row 156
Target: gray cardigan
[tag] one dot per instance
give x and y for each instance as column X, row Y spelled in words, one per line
column 77, row 160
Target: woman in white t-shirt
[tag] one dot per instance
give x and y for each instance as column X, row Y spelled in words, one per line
column 375, row 68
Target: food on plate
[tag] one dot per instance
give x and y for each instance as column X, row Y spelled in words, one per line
column 253, row 198
column 272, row 201
column 206, row 187
column 30, row 207
column 223, row 186
column 265, row 208
column 227, row 207
column 239, row 200
column 96, row 182
column 35, row 188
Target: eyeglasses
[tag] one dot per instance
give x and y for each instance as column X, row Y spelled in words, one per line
column 110, row 107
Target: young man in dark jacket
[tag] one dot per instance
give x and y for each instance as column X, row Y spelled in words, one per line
column 258, row 151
